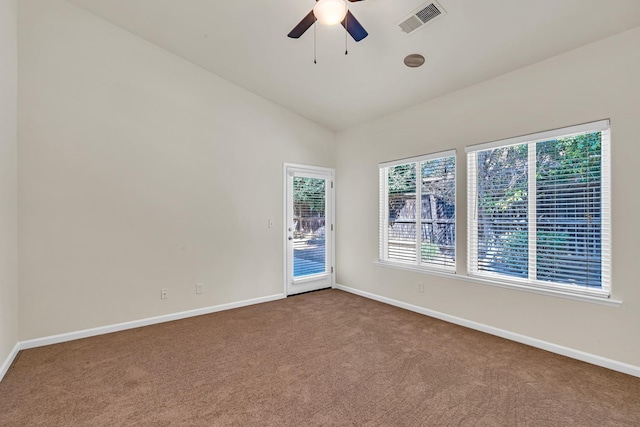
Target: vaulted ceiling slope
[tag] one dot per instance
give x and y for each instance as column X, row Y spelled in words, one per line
column 246, row 43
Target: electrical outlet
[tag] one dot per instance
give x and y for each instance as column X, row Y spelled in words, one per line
column 420, row 287
column 164, row 293
column 199, row 288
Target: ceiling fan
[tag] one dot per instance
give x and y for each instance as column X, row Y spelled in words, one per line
column 331, row 12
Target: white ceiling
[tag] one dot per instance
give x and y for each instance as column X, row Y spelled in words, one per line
column 245, row 42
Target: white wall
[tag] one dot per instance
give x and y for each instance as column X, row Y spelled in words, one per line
column 8, row 177
column 140, row 171
column 595, row 82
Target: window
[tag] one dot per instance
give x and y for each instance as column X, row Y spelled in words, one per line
column 417, row 211
column 539, row 210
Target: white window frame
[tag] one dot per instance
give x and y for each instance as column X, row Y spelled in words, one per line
column 472, row 225
column 384, row 215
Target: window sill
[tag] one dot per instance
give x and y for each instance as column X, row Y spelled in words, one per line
column 452, row 275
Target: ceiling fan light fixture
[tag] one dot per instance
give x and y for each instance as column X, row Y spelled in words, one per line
column 330, row 12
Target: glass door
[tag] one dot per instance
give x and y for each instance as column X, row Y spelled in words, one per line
column 308, row 228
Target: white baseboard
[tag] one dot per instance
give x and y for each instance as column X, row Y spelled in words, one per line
column 55, row 339
column 71, row 336
column 523, row 339
column 9, row 360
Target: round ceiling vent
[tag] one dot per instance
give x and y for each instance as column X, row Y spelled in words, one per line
column 414, row 60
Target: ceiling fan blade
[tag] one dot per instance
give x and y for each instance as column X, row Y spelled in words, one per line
column 353, row 27
column 353, row 1
column 303, row 26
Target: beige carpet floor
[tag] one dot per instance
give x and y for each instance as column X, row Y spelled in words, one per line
column 327, row 358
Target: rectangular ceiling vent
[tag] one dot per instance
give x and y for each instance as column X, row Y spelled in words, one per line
column 420, row 17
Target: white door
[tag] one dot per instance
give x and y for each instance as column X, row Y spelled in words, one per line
column 308, row 228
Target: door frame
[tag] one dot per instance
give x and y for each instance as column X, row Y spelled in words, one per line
column 331, row 211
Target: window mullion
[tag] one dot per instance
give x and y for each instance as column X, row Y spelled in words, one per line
column 531, row 211
column 472, row 214
column 418, row 213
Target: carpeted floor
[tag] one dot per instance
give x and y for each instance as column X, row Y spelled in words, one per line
column 324, row 358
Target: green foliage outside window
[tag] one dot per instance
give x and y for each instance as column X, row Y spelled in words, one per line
column 309, row 195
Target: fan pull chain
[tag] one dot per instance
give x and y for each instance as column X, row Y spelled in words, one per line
column 346, row 34
column 315, row 43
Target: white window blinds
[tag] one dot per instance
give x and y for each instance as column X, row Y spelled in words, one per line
column 539, row 209
column 309, row 231
column 417, row 211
